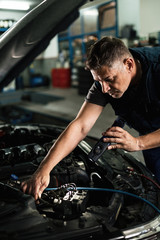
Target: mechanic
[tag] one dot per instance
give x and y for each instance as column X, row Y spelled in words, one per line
column 128, row 79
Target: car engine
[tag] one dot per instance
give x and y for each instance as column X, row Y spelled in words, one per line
column 84, row 199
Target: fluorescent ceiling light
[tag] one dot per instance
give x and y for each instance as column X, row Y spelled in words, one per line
column 14, row 5
column 91, row 12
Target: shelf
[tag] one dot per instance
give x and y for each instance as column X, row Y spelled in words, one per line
column 92, row 24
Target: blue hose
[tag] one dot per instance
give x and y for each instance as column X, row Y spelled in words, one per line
column 114, row 191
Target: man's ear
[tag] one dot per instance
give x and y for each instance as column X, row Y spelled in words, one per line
column 128, row 62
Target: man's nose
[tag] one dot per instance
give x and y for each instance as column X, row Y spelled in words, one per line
column 105, row 87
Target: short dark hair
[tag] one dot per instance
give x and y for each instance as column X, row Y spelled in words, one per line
column 105, row 52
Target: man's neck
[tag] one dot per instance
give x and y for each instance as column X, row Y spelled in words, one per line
column 137, row 74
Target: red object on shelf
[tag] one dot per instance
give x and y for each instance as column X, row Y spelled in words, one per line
column 61, row 77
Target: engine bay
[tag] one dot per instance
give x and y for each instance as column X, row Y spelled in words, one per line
column 84, row 199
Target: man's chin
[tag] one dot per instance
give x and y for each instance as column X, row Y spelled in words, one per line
column 117, row 95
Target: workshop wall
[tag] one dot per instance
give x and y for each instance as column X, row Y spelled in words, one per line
column 149, row 16
column 129, row 14
column 143, row 14
column 16, row 15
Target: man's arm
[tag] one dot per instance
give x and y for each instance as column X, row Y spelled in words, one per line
column 66, row 142
column 122, row 139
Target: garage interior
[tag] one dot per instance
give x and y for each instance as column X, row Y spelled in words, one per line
column 53, row 88
column 92, row 193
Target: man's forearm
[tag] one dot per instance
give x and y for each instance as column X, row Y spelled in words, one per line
column 67, row 141
column 148, row 141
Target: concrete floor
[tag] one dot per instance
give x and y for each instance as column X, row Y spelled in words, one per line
column 69, row 106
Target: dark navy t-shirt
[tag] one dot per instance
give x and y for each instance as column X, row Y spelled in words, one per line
column 140, row 104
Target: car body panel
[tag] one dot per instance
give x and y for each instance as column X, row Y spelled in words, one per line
column 32, row 34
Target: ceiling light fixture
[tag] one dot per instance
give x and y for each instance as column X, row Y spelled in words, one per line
column 14, row 5
column 90, row 12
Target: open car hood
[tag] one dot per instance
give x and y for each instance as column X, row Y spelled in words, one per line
column 32, row 34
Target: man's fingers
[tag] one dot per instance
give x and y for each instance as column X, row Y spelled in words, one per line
column 114, row 146
column 36, row 196
column 24, row 187
column 113, row 140
column 115, row 129
column 39, row 194
column 35, row 185
column 115, row 132
column 39, row 190
column 29, row 189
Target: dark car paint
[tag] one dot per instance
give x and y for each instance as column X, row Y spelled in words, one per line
column 32, row 34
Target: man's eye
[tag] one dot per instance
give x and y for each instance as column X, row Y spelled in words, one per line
column 114, row 78
column 108, row 80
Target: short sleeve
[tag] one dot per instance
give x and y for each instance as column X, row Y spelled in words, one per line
column 96, row 96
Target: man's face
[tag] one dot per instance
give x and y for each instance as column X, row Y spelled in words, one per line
column 114, row 81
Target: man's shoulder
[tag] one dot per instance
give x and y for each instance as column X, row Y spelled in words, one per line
column 146, row 54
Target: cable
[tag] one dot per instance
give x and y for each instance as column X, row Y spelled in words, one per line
column 73, row 187
column 148, row 178
column 131, row 171
column 115, row 191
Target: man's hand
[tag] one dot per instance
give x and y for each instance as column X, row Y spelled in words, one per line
column 36, row 184
column 121, row 139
